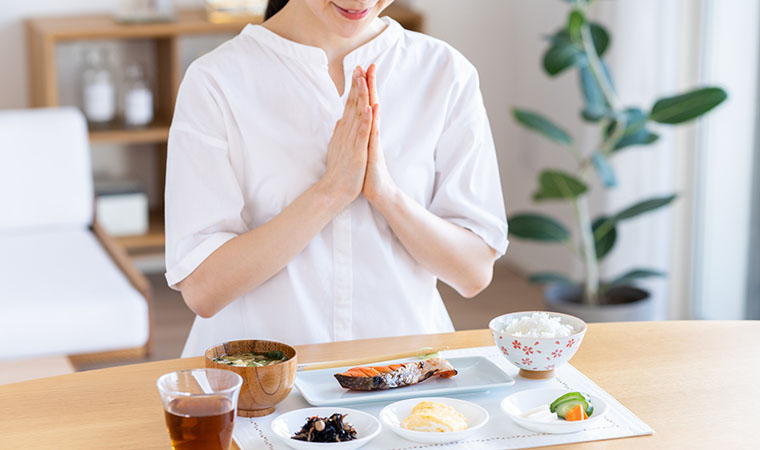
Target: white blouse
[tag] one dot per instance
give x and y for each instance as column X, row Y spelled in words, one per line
column 250, row 133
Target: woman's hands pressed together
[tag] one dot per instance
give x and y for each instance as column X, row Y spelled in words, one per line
column 378, row 184
column 355, row 161
column 454, row 254
column 347, row 151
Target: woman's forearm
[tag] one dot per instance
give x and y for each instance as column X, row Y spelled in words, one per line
column 248, row 260
column 454, row 254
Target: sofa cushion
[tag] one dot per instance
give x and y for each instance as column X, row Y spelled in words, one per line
column 45, row 177
column 60, row 293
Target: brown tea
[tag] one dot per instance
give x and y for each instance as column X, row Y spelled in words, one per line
column 200, row 423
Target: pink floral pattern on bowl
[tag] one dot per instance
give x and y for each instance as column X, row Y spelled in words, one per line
column 537, row 354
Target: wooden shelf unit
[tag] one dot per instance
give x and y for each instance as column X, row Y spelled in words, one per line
column 45, row 33
column 154, row 133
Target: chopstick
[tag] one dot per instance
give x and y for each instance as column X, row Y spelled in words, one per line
column 370, row 359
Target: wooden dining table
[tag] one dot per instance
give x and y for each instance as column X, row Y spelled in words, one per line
column 694, row 382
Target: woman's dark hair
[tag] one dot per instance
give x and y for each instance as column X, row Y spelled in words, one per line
column 273, row 7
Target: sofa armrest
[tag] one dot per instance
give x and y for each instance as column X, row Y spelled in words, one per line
column 133, row 274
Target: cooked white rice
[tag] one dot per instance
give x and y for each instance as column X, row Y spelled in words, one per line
column 538, row 325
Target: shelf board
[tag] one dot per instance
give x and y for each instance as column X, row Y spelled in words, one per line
column 104, row 26
column 188, row 22
column 153, row 240
column 157, row 133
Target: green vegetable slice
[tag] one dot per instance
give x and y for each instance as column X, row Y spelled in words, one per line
column 567, row 402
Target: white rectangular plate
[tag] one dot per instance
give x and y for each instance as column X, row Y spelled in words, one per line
column 474, row 373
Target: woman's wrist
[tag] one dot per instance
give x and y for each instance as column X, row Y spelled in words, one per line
column 386, row 198
column 330, row 197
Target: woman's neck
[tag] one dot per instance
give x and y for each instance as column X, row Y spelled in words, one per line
column 297, row 23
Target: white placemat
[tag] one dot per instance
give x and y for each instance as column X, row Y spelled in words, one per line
column 500, row 432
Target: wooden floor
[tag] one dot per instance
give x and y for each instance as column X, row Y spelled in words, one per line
column 508, row 292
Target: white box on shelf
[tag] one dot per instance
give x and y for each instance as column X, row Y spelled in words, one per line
column 121, row 208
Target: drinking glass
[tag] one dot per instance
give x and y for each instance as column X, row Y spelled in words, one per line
column 199, row 406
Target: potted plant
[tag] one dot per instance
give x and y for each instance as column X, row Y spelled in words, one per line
column 581, row 45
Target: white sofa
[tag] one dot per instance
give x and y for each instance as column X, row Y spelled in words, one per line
column 65, row 287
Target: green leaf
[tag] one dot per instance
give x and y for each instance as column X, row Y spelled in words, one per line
column 549, row 278
column 605, row 235
column 604, row 169
column 537, row 227
column 635, row 275
column 561, row 35
column 644, row 207
column 596, row 105
column 555, row 184
column 641, row 137
column 601, row 38
column 561, row 56
column 540, row 124
column 592, row 114
column 688, row 106
column 574, row 23
column 634, row 118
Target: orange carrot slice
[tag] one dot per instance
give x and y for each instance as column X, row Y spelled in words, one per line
column 576, row 413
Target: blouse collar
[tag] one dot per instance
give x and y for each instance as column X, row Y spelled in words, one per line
column 315, row 55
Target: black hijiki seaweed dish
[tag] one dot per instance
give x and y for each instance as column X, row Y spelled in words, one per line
column 324, row 429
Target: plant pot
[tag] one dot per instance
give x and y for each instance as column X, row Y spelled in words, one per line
column 622, row 304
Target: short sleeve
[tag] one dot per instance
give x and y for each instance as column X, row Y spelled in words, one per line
column 203, row 199
column 467, row 189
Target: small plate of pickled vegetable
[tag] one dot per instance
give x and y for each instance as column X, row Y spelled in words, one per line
column 554, row 410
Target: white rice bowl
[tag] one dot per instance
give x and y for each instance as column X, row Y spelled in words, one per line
column 538, row 325
column 537, row 342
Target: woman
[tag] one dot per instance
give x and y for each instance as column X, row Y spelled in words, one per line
column 310, row 200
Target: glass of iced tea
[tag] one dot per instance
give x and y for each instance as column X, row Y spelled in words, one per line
column 199, row 406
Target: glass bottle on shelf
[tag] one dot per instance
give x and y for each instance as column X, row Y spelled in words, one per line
column 98, row 89
column 138, row 98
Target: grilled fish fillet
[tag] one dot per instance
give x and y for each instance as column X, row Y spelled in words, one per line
column 394, row 375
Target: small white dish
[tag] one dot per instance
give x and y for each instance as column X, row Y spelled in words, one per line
column 395, row 413
column 519, row 402
column 289, row 423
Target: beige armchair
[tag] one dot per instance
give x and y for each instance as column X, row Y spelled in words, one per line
column 66, row 287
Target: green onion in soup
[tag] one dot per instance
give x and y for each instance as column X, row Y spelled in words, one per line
column 252, row 359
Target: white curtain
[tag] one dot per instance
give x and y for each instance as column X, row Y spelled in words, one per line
column 730, row 49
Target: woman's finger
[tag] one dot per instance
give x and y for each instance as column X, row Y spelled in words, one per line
column 358, row 75
column 348, row 111
column 372, row 84
column 374, row 137
column 364, row 129
column 363, row 94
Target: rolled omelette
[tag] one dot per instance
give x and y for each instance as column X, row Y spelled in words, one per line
column 434, row 417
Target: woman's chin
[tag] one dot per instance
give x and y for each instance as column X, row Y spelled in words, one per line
column 347, row 31
column 348, row 27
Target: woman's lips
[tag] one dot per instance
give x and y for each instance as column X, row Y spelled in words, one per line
column 352, row 14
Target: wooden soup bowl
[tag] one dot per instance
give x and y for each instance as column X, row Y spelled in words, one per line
column 263, row 387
